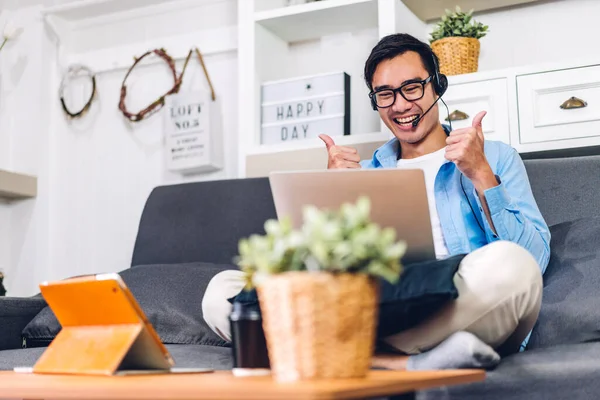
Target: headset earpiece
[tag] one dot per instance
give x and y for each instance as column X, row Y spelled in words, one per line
column 442, row 84
column 440, row 81
column 373, row 103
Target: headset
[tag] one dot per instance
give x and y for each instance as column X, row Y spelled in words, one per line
column 439, row 82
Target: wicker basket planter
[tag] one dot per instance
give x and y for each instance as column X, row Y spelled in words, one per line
column 457, row 55
column 319, row 325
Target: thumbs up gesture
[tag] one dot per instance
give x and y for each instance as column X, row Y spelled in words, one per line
column 464, row 147
column 340, row 157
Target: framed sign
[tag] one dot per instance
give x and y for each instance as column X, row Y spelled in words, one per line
column 193, row 135
column 303, row 108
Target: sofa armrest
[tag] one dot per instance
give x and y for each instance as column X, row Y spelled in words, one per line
column 15, row 314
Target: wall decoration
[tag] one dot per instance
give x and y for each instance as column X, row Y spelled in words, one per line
column 455, row 40
column 193, row 137
column 302, row 108
column 156, row 105
column 75, row 71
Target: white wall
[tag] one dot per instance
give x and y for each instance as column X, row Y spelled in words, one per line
column 95, row 173
column 104, row 174
column 26, row 69
column 542, row 32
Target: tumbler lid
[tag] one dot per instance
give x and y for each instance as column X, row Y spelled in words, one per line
column 242, row 311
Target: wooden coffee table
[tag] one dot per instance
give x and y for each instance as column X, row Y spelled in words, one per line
column 222, row 385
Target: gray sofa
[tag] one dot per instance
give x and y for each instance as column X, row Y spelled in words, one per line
column 189, row 232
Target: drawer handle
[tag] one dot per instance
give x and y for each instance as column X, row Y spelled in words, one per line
column 573, row 103
column 457, row 116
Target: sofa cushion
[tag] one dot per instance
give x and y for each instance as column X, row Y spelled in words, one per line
column 184, row 355
column 170, row 296
column 562, row 372
column 570, row 310
column 202, row 221
column 422, row 290
column 9, row 359
column 565, row 189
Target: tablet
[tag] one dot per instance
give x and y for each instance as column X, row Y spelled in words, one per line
column 104, row 330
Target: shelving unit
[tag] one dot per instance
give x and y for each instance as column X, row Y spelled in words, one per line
column 318, row 19
column 279, row 42
column 348, row 140
column 15, row 186
column 428, row 10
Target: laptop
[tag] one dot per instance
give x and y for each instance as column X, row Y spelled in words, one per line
column 398, row 200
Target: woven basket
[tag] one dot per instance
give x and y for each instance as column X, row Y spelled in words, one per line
column 457, row 55
column 319, row 325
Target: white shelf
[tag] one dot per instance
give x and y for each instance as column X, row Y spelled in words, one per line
column 347, row 140
column 84, row 9
column 318, row 19
column 17, row 186
column 428, row 10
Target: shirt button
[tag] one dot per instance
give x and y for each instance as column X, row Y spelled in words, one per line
column 480, row 209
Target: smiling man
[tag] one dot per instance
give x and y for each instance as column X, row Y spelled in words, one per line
column 483, row 214
column 480, row 201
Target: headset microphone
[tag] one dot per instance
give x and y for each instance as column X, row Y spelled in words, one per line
column 420, row 117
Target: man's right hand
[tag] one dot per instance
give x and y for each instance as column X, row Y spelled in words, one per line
column 340, row 157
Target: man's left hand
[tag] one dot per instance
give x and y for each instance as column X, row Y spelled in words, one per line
column 464, row 147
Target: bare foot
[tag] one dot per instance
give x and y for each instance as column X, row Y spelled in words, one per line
column 389, row 361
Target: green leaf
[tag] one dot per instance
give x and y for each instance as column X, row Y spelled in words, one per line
column 458, row 23
column 335, row 240
column 380, row 269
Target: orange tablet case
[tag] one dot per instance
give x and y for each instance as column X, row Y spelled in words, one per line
column 104, row 330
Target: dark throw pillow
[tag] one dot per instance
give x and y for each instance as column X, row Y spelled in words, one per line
column 570, row 312
column 422, row 290
column 170, row 295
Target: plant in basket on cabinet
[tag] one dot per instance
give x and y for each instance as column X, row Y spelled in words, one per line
column 307, row 280
column 455, row 41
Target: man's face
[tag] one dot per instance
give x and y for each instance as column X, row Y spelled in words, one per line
column 391, row 74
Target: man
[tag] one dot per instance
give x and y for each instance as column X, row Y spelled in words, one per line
column 489, row 212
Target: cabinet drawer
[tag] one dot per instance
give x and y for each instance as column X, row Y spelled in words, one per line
column 541, row 118
column 472, row 98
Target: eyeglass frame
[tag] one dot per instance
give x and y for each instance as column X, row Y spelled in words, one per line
column 423, row 83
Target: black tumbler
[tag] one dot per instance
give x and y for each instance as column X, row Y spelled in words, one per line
column 249, row 346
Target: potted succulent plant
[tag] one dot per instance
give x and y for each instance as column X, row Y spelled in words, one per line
column 455, row 40
column 317, row 289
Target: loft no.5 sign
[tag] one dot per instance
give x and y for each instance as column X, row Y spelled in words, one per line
column 302, row 108
column 193, row 139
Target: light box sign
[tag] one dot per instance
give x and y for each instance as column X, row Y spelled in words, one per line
column 303, row 108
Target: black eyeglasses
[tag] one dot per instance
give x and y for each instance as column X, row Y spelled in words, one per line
column 410, row 91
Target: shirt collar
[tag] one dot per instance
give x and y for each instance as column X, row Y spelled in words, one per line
column 388, row 154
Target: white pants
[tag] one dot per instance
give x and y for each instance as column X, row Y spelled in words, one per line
column 500, row 293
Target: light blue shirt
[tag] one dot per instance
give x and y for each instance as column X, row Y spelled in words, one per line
column 512, row 206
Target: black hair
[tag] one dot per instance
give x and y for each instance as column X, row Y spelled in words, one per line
column 394, row 45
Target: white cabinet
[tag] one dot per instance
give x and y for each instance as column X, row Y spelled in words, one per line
column 465, row 100
column 559, row 105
